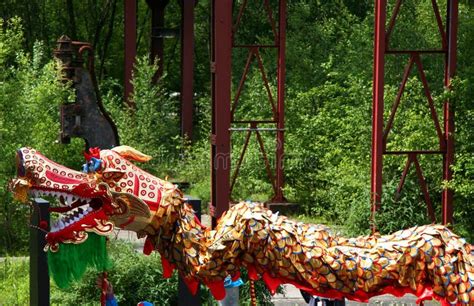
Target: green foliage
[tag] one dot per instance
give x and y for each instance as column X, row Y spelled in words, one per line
column 14, row 283
column 134, row 276
column 329, row 143
column 29, row 98
column 153, row 126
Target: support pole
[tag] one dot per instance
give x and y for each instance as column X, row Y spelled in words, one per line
column 377, row 107
column 383, row 47
column 130, row 46
column 450, row 70
column 187, row 67
column 255, row 62
column 39, row 275
column 221, row 49
column 280, row 179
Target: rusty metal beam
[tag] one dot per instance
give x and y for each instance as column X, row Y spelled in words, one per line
column 377, row 107
column 446, row 139
column 224, row 109
column 221, row 54
column 187, row 67
column 450, row 70
column 281, row 78
column 275, row 101
column 424, row 190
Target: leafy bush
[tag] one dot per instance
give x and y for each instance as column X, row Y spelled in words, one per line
column 134, row 276
column 29, row 116
column 153, row 125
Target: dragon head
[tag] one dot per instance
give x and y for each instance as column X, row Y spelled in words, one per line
column 110, row 191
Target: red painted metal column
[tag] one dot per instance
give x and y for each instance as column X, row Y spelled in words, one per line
column 450, row 70
column 187, row 67
column 380, row 134
column 280, row 179
column 130, row 37
column 255, row 55
column 378, row 106
column 221, row 51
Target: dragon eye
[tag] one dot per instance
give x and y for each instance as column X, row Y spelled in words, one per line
column 92, row 165
column 96, row 164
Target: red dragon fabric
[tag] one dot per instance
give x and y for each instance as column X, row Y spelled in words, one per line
column 429, row 261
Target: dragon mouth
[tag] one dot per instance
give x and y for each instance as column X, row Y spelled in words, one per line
column 78, row 214
column 72, row 208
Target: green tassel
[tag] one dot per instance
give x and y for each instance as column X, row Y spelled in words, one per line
column 70, row 262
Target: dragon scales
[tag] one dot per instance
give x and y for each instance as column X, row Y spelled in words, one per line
column 429, row 261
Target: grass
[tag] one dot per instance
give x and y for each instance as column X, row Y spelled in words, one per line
column 14, row 281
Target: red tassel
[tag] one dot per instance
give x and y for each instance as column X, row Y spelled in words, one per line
column 236, row 276
column 168, row 268
column 147, row 247
column 271, row 282
column 192, row 284
column 217, row 289
column 252, row 271
column 43, row 224
column 93, row 152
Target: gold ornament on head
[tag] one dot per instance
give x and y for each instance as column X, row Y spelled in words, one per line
column 131, row 154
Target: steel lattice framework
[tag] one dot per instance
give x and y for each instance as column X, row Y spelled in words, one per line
column 224, row 121
column 382, row 128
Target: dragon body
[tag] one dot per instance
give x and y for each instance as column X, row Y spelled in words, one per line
column 429, row 261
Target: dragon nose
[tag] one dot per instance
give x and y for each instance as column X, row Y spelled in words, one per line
column 20, row 164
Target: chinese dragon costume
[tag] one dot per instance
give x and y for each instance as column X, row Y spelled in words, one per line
column 429, row 261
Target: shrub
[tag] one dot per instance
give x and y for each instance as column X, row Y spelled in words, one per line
column 29, row 116
column 135, row 277
column 153, row 126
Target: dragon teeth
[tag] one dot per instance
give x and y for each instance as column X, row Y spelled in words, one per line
column 54, row 226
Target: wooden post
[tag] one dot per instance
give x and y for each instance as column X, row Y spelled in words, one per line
column 39, row 275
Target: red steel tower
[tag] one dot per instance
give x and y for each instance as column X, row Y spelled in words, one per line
column 382, row 128
column 224, row 120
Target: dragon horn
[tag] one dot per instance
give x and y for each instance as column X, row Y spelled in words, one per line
column 131, row 154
